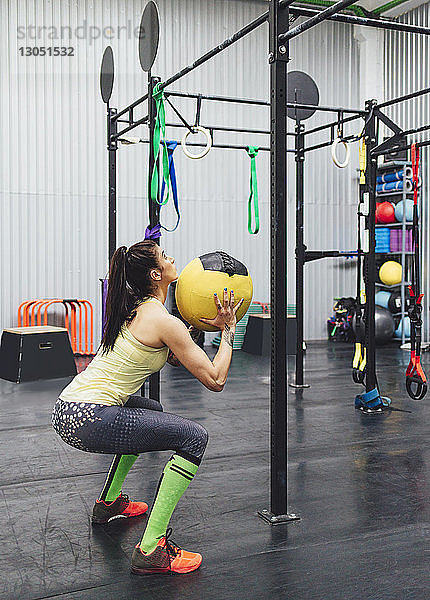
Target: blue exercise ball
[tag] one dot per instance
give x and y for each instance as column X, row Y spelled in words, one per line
column 400, row 207
column 382, row 298
column 407, row 327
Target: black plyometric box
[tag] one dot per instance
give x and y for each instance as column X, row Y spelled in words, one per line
column 31, row 353
column 257, row 338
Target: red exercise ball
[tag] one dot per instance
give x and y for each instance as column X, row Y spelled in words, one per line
column 385, row 213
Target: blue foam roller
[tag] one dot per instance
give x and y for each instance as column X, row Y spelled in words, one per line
column 396, row 176
column 381, row 298
column 407, row 326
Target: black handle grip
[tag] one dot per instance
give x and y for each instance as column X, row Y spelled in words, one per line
column 420, row 387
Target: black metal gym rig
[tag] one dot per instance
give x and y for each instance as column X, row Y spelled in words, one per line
column 278, row 16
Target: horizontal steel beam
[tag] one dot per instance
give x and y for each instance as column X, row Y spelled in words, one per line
column 417, row 130
column 142, row 121
column 404, row 98
column 400, row 148
column 317, row 18
column 228, row 42
column 367, row 22
column 336, row 109
column 233, row 129
column 330, row 143
column 218, row 98
column 333, row 124
column 317, row 15
column 231, row 40
column 224, row 146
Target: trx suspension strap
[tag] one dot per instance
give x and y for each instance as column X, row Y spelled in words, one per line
column 159, row 132
column 171, row 145
column 253, row 191
column 359, row 360
column 416, row 382
column 372, row 401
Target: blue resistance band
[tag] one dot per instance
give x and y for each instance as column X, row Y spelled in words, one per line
column 171, row 145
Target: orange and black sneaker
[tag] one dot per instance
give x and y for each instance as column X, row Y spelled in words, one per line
column 103, row 512
column 166, row 558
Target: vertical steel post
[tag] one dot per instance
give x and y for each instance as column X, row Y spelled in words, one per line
column 112, row 145
column 278, row 59
column 370, row 258
column 300, row 255
column 153, row 208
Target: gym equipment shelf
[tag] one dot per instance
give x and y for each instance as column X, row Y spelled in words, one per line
column 391, row 287
column 396, row 193
column 402, row 195
column 393, row 224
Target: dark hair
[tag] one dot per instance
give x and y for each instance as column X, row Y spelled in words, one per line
column 129, row 283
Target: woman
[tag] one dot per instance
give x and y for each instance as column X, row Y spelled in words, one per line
column 97, row 411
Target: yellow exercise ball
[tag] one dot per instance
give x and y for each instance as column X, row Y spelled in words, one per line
column 204, row 276
column 390, row 272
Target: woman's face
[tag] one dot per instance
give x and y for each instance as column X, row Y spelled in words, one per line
column 168, row 268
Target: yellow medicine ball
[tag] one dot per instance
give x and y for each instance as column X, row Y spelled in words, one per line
column 204, row 276
column 390, row 272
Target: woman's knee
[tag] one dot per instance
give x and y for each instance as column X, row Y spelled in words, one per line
column 195, row 444
column 203, row 435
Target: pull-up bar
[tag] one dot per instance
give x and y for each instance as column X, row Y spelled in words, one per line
column 229, row 129
column 199, row 145
column 130, row 127
column 398, row 148
column 349, row 138
column 231, row 40
column 336, row 109
column 218, row 98
column 417, row 130
column 365, row 21
column 333, row 124
column 318, row 18
column 406, row 97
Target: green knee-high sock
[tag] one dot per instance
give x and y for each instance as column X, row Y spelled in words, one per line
column 119, row 468
column 175, row 479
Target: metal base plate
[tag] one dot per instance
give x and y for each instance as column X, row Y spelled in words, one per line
column 272, row 519
column 299, row 387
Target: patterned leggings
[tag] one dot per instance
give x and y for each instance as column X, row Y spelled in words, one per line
column 138, row 426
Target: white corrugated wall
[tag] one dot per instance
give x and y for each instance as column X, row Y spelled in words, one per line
column 53, row 167
column 407, row 70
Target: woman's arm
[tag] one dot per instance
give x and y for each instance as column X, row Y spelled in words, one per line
column 195, row 336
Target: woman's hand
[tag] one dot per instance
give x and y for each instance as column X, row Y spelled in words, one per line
column 226, row 311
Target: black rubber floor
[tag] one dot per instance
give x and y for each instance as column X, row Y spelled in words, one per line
column 360, row 484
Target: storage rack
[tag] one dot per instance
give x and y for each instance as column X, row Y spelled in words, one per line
column 401, row 195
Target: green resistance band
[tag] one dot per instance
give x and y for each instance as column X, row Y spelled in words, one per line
column 159, row 134
column 253, row 192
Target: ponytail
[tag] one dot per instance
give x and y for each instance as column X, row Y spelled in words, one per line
column 116, row 301
column 129, row 283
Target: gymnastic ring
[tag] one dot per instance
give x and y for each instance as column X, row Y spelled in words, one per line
column 195, row 129
column 334, row 146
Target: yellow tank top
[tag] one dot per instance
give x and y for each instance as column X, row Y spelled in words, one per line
column 113, row 377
